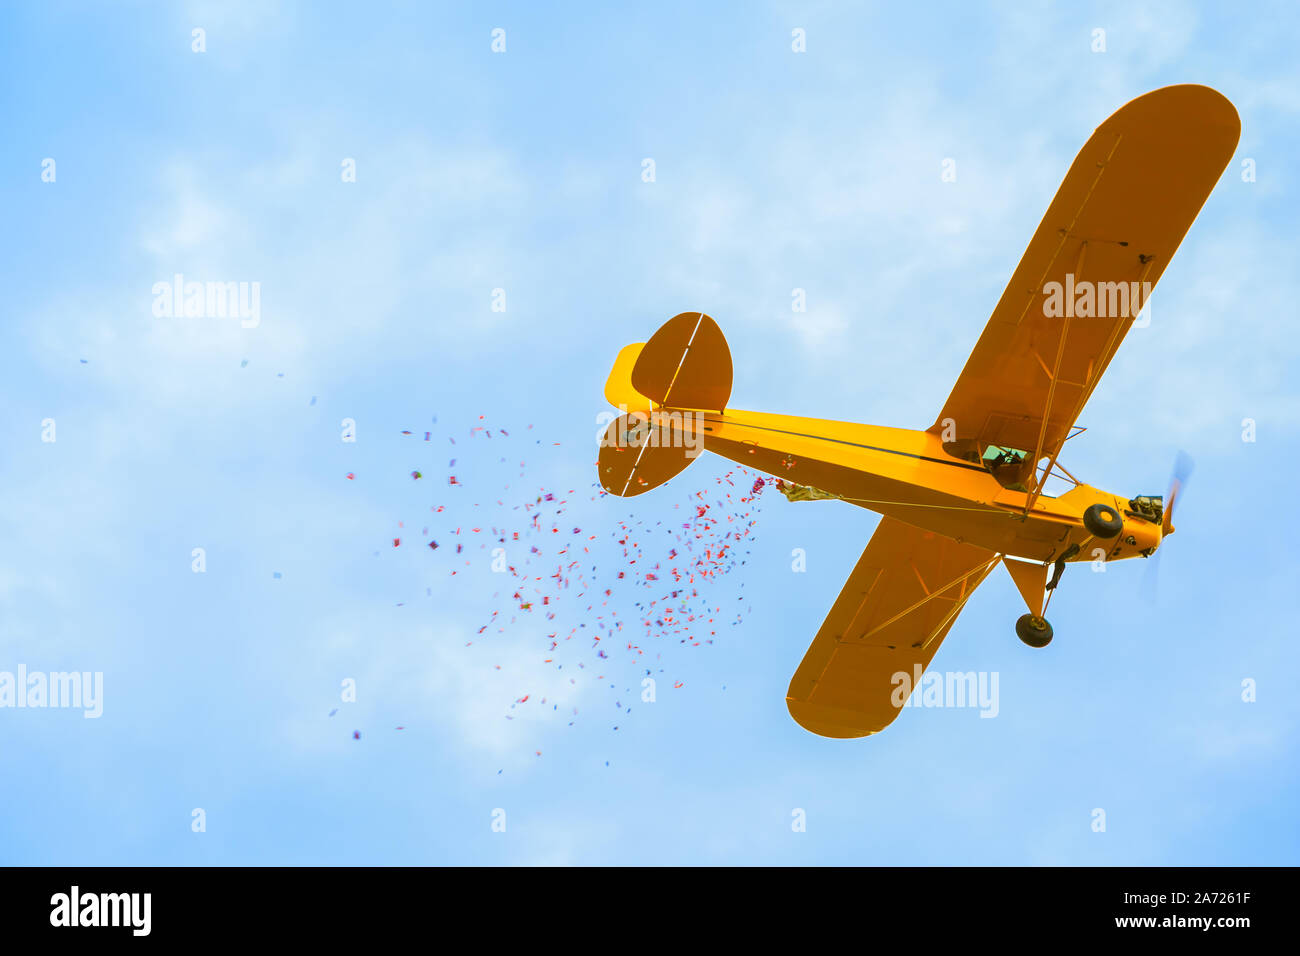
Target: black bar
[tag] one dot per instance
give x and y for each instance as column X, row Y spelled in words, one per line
column 664, row 906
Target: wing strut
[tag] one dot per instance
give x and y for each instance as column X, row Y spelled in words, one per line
column 1090, row 383
column 1056, row 366
column 961, row 579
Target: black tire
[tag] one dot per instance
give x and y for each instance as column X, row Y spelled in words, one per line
column 1034, row 631
column 1103, row 521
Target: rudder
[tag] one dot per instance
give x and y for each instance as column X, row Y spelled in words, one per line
column 686, row 364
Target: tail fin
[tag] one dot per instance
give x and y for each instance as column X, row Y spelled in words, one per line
column 685, row 365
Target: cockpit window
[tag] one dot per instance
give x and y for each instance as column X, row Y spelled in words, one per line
column 1006, row 455
column 1010, row 466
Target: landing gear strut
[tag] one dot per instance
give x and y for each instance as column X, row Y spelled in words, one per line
column 1037, row 590
column 1034, row 631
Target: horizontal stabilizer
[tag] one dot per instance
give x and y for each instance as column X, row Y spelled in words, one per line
column 639, row 452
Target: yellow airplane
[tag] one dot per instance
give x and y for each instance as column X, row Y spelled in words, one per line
column 967, row 493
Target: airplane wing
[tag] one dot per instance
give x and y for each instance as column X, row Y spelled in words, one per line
column 899, row 602
column 1125, row 205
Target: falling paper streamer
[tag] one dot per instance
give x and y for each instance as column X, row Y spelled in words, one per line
column 605, row 596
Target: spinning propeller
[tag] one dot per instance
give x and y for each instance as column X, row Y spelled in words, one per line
column 1177, row 482
column 1182, row 471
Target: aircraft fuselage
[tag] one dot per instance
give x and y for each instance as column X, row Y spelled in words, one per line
column 908, row 475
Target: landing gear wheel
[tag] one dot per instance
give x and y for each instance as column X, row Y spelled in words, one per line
column 1102, row 521
column 1034, row 631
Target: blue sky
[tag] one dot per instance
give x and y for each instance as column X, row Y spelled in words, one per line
column 522, row 171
